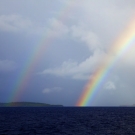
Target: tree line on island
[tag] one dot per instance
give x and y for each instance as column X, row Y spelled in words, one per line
column 27, row 104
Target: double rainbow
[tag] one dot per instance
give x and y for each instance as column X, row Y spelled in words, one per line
column 124, row 42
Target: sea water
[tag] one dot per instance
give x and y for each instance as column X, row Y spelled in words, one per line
column 67, row 120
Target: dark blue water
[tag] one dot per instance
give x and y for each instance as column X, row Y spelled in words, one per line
column 67, row 121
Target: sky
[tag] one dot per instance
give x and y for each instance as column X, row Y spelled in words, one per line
column 49, row 50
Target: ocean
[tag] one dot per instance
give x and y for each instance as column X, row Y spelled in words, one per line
column 67, row 120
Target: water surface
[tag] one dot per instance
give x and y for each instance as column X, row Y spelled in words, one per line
column 67, row 120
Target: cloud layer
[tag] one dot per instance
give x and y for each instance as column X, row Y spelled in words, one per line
column 77, row 36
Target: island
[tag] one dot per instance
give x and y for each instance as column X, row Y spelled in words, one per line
column 127, row 105
column 27, row 104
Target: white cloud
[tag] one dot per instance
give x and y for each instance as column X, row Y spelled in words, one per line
column 17, row 23
column 77, row 70
column 14, row 23
column 50, row 90
column 7, row 65
column 82, row 33
column 110, row 85
column 56, row 28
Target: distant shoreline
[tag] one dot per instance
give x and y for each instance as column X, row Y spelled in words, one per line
column 27, row 104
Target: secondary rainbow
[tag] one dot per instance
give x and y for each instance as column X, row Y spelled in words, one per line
column 123, row 43
column 35, row 57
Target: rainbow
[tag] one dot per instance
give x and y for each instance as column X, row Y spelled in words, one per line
column 35, row 57
column 122, row 44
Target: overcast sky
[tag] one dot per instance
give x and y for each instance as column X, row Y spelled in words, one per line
column 56, row 45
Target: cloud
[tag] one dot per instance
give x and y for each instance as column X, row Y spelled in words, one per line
column 56, row 28
column 14, row 23
column 18, row 23
column 7, row 65
column 91, row 24
column 50, row 90
column 82, row 33
column 77, row 70
column 110, row 85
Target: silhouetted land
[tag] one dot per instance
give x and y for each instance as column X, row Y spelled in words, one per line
column 27, row 104
column 127, row 105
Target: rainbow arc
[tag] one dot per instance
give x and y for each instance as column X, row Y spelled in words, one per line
column 123, row 43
